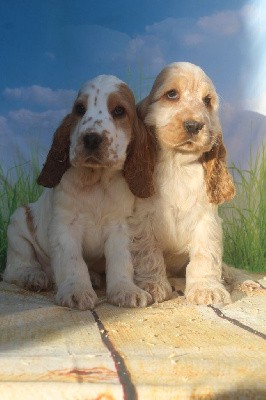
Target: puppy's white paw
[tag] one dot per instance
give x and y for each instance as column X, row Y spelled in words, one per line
column 128, row 295
column 76, row 294
column 204, row 293
column 28, row 277
column 160, row 291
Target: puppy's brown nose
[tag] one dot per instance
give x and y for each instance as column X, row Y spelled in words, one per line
column 193, row 126
column 92, row 141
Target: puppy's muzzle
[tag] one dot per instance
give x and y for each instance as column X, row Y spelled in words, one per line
column 193, row 127
column 92, row 141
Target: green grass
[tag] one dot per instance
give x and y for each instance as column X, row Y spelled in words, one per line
column 17, row 186
column 244, row 218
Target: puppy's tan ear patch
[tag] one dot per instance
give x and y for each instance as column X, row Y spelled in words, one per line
column 57, row 161
column 219, row 183
column 140, row 161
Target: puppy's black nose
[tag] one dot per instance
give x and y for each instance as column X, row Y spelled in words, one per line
column 193, row 126
column 92, row 141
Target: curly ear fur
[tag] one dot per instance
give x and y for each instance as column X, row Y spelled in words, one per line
column 140, row 161
column 219, row 183
column 57, row 161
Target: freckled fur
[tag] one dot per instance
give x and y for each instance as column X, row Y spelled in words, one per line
column 82, row 217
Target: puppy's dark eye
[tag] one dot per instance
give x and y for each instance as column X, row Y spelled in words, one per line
column 118, row 112
column 80, row 109
column 207, row 100
column 172, row 94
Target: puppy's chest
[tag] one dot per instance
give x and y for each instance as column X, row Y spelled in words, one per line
column 182, row 197
column 103, row 207
column 105, row 204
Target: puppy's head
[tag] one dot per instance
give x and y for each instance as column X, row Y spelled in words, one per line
column 182, row 111
column 102, row 131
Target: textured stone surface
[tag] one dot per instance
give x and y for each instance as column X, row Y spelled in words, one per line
column 166, row 351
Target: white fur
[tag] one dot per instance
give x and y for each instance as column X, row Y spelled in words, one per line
column 72, row 227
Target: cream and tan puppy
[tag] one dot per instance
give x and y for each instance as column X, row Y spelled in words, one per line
column 179, row 225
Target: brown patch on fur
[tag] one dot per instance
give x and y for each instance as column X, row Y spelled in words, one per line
column 98, row 122
column 57, row 161
column 141, row 156
column 140, row 161
column 82, row 100
column 123, row 97
column 39, row 252
column 143, row 107
column 219, row 183
column 86, row 121
column 29, row 219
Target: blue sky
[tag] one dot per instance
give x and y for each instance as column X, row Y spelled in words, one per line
column 49, row 48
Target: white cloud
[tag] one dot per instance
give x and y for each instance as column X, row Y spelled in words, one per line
column 41, row 95
column 28, row 117
column 226, row 23
column 162, row 40
column 158, row 45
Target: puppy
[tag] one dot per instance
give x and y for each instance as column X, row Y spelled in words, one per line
column 81, row 217
column 178, row 228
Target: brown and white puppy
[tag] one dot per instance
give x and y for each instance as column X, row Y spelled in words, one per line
column 179, row 225
column 83, row 216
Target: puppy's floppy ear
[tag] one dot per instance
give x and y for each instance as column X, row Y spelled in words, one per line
column 140, row 161
column 220, row 186
column 57, row 161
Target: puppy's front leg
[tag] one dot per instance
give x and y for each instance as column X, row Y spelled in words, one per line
column 71, row 272
column 204, row 271
column 148, row 260
column 121, row 289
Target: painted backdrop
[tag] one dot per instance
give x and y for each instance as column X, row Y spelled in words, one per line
column 49, row 48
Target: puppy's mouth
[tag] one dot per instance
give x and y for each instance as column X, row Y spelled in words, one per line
column 194, row 144
column 186, row 143
column 92, row 161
